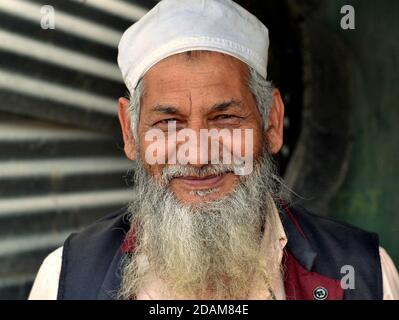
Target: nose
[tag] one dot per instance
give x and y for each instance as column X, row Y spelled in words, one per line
column 196, row 149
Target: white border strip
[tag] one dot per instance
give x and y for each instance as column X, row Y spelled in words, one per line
column 27, row 243
column 128, row 11
column 40, row 131
column 59, row 56
column 63, row 21
column 61, row 168
column 69, row 201
column 42, row 89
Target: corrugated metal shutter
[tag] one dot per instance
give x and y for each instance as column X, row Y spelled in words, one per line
column 61, row 160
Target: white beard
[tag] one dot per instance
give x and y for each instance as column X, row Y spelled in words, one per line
column 211, row 251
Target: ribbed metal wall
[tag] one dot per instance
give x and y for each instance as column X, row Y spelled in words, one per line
column 61, row 159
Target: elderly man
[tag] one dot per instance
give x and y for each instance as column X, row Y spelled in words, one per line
column 198, row 225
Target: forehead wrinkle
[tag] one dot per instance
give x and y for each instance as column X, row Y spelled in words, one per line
column 190, row 103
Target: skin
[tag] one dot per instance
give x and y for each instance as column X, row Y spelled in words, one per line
column 207, row 92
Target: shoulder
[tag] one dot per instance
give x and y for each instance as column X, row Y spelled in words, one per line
column 339, row 245
column 45, row 286
column 338, row 231
column 337, row 240
column 97, row 232
column 88, row 254
column 102, row 236
column 390, row 276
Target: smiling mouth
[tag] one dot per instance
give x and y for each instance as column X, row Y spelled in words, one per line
column 195, row 182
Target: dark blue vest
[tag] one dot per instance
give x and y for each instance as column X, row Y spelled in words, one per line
column 317, row 249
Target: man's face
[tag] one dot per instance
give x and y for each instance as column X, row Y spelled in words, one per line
column 208, row 91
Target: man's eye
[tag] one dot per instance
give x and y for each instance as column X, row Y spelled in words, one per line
column 225, row 117
column 166, row 121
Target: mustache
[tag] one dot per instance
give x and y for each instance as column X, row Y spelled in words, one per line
column 177, row 171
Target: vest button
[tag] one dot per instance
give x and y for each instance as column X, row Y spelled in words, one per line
column 320, row 293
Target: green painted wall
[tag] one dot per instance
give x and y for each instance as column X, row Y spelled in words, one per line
column 369, row 196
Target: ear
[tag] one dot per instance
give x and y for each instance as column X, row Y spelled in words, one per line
column 274, row 132
column 124, row 119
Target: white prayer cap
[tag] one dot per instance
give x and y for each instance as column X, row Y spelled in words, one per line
column 175, row 26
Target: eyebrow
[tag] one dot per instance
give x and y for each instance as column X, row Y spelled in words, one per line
column 165, row 109
column 226, row 105
column 222, row 106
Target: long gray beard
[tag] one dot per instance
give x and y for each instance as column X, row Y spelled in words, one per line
column 207, row 251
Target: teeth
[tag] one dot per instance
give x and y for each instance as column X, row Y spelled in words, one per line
column 181, row 175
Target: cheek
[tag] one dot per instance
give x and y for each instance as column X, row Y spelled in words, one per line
column 148, row 158
column 250, row 142
column 155, row 170
column 259, row 140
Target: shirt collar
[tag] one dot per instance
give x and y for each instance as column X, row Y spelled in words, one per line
column 270, row 238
